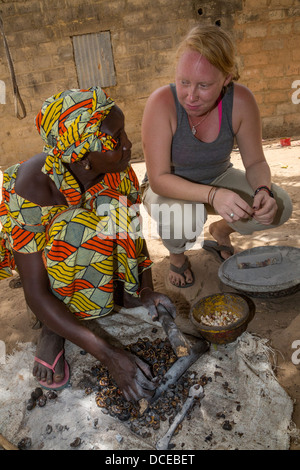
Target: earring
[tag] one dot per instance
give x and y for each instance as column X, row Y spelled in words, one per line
column 87, row 165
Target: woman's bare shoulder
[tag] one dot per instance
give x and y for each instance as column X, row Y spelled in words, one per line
column 161, row 96
column 30, row 170
column 34, row 185
column 243, row 95
column 160, row 112
column 245, row 108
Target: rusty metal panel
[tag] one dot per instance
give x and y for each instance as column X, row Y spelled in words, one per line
column 94, row 60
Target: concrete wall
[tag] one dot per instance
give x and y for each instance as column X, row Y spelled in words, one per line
column 144, row 35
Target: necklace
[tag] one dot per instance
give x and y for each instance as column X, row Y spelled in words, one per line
column 194, row 130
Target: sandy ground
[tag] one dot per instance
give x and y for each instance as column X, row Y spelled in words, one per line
column 277, row 320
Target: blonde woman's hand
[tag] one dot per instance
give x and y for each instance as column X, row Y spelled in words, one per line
column 265, row 208
column 231, row 206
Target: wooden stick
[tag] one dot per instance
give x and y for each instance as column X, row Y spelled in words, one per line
column 179, row 343
column 6, row 444
column 180, row 367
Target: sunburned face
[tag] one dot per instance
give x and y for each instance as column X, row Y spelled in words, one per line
column 198, row 83
column 116, row 160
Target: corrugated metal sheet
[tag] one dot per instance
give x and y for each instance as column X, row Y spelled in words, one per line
column 94, row 60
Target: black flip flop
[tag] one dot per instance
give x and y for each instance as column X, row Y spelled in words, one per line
column 216, row 249
column 186, row 265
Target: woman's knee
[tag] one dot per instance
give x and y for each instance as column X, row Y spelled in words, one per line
column 285, row 206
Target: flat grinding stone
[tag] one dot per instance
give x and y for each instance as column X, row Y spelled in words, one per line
column 283, row 273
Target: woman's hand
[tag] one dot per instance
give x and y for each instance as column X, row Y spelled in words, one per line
column 132, row 375
column 265, row 208
column 231, row 206
column 150, row 300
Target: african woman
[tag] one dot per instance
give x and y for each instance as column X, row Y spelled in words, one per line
column 70, row 227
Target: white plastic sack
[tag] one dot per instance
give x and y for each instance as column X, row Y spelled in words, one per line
column 244, row 406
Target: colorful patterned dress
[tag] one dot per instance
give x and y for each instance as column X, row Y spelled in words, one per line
column 86, row 245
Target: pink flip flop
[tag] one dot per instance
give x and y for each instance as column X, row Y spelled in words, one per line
column 55, row 385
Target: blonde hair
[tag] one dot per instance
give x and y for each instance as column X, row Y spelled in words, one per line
column 215, row 45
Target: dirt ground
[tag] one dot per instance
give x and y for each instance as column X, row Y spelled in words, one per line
column 276, row 319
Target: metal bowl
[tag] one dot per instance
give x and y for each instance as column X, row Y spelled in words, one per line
column 239, row 304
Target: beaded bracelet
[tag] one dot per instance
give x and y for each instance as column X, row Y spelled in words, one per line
column 263, row 188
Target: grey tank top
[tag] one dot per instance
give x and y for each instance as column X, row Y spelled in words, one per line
column 198, row 161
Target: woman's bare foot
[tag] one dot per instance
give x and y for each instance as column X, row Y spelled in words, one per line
column 176, row 279
column 49, row 346
column 221, row 232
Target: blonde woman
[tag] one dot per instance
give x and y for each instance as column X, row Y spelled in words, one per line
column 188, row 134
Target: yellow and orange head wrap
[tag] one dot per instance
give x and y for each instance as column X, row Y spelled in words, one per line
column 69, row 124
